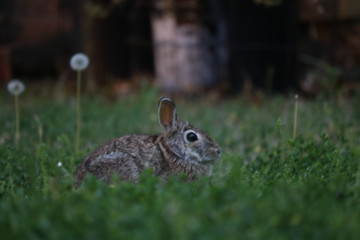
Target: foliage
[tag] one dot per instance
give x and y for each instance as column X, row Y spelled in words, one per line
column 268, row 185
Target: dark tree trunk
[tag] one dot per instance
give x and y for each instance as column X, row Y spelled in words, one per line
column 185, row 53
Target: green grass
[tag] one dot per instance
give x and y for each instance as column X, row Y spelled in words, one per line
column 267, row 186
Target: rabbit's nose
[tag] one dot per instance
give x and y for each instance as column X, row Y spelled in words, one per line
column 218, row 151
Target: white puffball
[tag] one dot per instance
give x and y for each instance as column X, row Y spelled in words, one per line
column 16, row 87
column 79, row 62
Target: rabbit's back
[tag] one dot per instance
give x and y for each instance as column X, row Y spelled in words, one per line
column 125, row 156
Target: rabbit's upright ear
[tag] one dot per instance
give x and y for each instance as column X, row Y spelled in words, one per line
column 167, row 114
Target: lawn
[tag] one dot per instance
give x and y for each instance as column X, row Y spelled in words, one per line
column 269, row 184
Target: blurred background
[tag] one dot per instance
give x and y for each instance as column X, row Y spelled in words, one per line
column 185, row 46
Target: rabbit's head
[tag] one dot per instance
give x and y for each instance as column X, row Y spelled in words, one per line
column 183, row 140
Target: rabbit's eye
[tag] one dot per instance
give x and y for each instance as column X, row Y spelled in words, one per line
column 191, row 137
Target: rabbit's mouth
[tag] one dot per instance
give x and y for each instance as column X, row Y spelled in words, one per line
column 212, row 156
column 210, row 159
column 206, row 159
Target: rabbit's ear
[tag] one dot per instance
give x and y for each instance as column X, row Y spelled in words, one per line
column 167, row 114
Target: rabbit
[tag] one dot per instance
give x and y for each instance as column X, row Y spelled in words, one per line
column 180, row 149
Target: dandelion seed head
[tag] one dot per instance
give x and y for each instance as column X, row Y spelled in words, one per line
column 59, row 164
column 16, row 87
column 79, row 62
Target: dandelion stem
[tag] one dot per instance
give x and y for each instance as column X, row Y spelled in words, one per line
column 40, row 128
column 78, row 111
column 17, row 120
column 295, row 116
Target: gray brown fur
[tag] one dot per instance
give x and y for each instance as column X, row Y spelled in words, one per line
column 166, row 154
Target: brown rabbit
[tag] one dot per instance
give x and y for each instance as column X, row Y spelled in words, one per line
column 180, row 149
